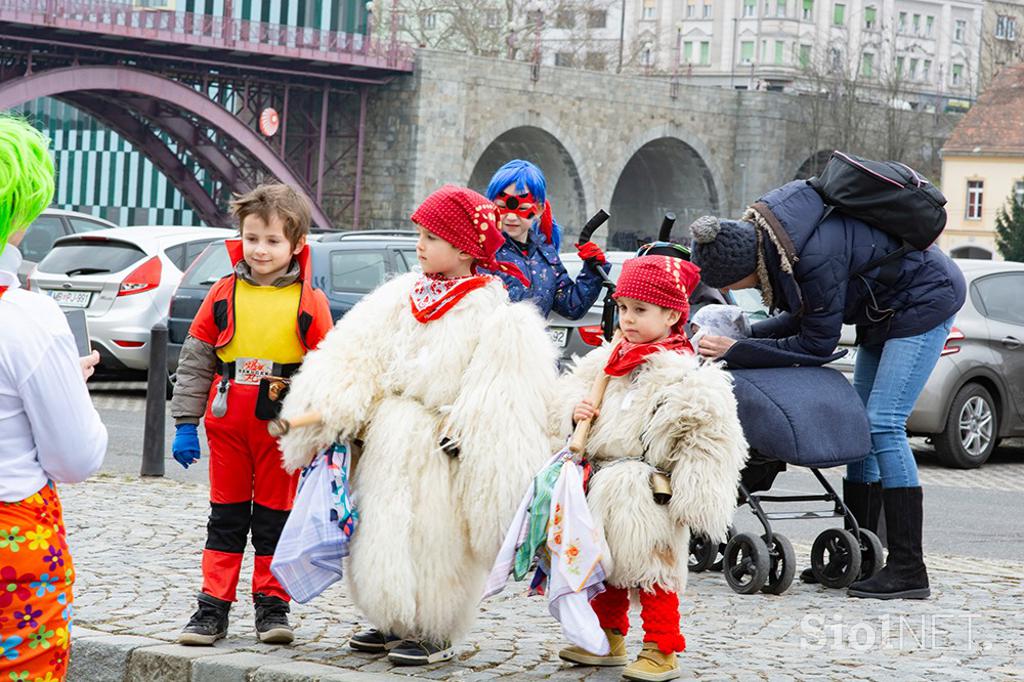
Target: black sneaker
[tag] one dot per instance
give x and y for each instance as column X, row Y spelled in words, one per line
column 272, row 625
column 208, row 624
column 374, row 641
column 410, row 652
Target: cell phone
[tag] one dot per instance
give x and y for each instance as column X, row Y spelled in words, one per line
column 80, row 330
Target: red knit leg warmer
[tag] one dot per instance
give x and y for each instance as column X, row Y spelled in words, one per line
column 660, row 612
column 612, row 608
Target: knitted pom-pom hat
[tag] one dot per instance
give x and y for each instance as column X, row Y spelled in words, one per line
column 724, row 250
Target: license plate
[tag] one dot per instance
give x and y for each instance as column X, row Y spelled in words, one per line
column 71, row 299
column 559, row 335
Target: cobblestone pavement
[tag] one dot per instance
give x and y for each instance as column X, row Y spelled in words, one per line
column 137, row 544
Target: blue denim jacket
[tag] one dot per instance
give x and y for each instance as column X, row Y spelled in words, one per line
column 550, row 288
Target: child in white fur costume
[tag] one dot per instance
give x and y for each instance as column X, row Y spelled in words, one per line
column 447, row 384
column 664, row 412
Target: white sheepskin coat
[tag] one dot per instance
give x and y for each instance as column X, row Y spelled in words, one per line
column 430, row 525
column 673, row 413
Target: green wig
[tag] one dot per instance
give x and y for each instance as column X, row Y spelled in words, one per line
column 26, row 175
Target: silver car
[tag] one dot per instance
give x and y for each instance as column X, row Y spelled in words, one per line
column 51, row 225
column 975, row 395
column 123, row 278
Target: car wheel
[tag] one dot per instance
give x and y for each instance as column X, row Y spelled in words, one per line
column 971, row 430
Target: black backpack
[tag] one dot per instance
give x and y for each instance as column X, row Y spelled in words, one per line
column 888, row 195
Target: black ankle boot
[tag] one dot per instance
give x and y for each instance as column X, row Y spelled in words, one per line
column 905, row 575
column 208, row 624
column 272, row 626
column 864, row 500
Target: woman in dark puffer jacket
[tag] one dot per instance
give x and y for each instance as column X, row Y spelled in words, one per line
column 808, row 269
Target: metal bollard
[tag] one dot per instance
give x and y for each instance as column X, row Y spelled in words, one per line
column 156, row 399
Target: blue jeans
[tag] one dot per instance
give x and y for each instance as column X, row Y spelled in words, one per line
column 889, row 378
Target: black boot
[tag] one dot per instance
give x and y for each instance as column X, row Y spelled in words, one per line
column 272, row 625
column 208, row 624
column 864, row 500
column 904, row 575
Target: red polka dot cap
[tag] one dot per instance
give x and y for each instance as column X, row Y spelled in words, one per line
column 659, row 280
column 469, row 222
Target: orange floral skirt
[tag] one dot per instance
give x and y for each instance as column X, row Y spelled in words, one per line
column 36, row 575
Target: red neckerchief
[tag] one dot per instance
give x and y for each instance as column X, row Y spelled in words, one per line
column 432, row 295
column 3, row 290
column 628, row 356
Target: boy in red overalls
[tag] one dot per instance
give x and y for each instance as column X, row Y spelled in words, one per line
column 258, row 321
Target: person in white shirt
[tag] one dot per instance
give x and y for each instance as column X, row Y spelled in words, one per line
column 49, row 431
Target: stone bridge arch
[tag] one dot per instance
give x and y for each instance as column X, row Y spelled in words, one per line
column 137, row 105
column 663, row 169
column 535, row 139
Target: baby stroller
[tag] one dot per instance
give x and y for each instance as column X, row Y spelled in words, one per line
column 807, row 417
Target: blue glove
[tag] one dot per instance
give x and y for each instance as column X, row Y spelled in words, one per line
column 186, row 444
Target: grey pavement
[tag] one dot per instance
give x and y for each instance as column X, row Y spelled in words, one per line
column 137, row 544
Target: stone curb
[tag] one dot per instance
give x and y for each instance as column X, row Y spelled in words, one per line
column 103, row 657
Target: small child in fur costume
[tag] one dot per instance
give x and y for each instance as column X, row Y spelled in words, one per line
column 665, row 414
column 447, row 384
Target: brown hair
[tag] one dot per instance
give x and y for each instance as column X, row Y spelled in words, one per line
column 275, row 199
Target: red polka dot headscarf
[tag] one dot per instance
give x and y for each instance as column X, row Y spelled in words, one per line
column 659, row 280
column 469, row 222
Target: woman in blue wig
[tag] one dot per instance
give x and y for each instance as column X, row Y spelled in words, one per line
column 532, row 238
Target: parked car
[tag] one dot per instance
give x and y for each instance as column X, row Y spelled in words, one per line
column 51, row 225
column 975, row 395
column 123, row 278
column 346, row 266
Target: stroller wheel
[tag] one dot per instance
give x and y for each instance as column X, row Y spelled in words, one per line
column 835, row 558
column 781, row 563
column 702, row 553
column 871, row 559
column 745, row 563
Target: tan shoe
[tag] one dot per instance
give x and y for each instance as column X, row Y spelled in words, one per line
column 616, row 654
column 652, row 666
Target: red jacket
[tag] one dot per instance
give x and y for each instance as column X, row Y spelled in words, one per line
column 215, row 322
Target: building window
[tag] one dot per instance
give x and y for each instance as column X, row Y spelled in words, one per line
column 705, row 53
column 691, row 9
column 899, row 67
column 913, row 68
column 780, row 8
column 867, row 65
column 805, row 56
column 749, row 8
column 747, row 52
column 808, row 10
column 430, row 21
column 835, row 58
column 901, row 27
column 563, row 59
column 958, row 74
column 926, row 71
column 1006, row 27
column 649, row 9
column 838, row 14
column 929, row 25
column 596, row 61
column 492, row 18
column 688, row 52
column 779, row 48
column 707, row 10
column 959, row 30
column 975, row 190
column 597, row 18
column 647, row 57
column 870, row 18
column 1018, row 192
column 916, row 24
column 565, row 18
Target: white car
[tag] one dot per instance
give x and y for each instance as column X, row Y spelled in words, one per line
column 124, row 279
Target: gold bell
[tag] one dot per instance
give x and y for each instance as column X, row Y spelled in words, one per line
column 276, row 388
column 661, row 486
